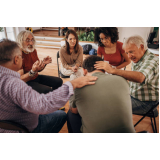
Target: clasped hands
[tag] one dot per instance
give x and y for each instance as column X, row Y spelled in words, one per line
column 74, row 69
column 39, row 64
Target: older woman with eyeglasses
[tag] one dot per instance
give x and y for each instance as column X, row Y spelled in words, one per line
column 110, row 48
column 32, row 65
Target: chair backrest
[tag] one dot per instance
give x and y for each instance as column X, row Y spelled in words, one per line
column 59, row 72
column 58, row 63
column 10, row 125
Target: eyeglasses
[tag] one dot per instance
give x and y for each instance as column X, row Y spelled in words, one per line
column 28, row 40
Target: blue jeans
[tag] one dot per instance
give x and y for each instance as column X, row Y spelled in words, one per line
column 51, row 123
column 141, row 107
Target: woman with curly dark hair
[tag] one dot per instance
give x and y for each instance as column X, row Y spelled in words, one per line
column 110, row 48
column 71, row 55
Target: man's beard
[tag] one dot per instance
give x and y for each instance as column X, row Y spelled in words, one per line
column 29, row 48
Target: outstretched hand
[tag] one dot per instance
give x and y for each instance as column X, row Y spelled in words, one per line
column 38, row 66
column 83, row 81
column 47, row 60
column 104, row 65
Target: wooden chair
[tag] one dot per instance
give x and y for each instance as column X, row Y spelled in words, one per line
column 152, row 113
column 59, row 72
column 10, row 125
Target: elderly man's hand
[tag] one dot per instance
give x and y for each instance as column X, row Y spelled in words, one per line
column 83, row 81
column 104, row 65
column 38, row 66
column 47, row 60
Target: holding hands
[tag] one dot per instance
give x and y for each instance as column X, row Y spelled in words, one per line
column 47, row 60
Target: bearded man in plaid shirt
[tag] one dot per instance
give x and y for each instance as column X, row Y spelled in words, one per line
column 144, row 77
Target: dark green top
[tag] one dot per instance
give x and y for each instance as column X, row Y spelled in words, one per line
column 105, row 106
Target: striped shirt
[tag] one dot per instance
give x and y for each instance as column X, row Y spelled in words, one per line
column 149, row 89
column 20, row 103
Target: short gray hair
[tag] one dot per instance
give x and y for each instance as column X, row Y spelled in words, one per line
column 137, row 40
column 22, row 36
column 8, row 50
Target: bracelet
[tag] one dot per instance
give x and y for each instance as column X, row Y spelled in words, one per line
column 31, row 73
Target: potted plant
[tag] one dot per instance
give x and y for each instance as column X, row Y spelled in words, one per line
column 86, row 36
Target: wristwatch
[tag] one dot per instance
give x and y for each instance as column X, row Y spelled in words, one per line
column 31, row 73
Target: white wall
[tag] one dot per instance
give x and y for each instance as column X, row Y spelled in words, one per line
column 125, row 32
column 36, row 28
column 10, row 33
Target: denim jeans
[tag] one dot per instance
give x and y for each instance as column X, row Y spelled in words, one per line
column 51, row 123
column 141, row 107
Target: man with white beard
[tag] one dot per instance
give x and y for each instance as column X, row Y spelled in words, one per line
column 29, row 73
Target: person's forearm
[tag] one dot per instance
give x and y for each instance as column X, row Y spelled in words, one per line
column 37, row 103
column 130, row 75
column 42, row 69
column 26, row 77
column 99, row 55
column 124, row 64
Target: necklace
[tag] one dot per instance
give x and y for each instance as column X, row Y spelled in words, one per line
column 25, row 52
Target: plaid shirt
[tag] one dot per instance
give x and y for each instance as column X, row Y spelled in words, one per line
column 20, row 103
column 149, row 89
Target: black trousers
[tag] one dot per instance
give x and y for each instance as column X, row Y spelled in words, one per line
column 45, row 84
column 73, row 122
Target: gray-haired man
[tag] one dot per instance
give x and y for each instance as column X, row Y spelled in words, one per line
column 29, row 74
column 21, row 104
column 144, row 77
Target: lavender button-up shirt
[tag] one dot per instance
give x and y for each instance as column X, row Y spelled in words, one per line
column 20, row 103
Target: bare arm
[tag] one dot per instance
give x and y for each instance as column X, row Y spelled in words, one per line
column 25, row 77
column 21, row 72
column 133, row 76
column 37, row 66
column 125, row 63
column 99, row 55
column 129, row 75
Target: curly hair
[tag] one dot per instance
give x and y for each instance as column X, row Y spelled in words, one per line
column 111, row 32
column 89, row 62
column 76, row 47
column 22, row 36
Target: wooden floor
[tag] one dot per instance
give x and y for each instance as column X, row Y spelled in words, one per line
column 51, row 69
